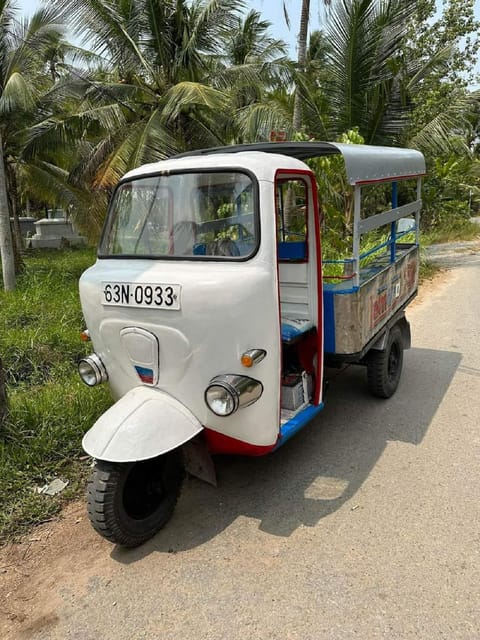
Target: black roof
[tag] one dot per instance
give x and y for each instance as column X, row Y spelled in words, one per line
column 299, row 150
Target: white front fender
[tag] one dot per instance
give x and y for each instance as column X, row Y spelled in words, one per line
column 143, row 424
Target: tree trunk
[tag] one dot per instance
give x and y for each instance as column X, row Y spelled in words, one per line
column 3, row 397
column 6, row 246
column 18, row 247
column 302, row 54
column 13, row 197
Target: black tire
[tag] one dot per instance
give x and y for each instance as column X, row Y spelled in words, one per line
column 129, row 502
column 384, row 368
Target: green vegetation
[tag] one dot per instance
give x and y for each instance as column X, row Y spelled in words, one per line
column 165, row 76
column 457, row 228
column 428, row 270
column 49, row 407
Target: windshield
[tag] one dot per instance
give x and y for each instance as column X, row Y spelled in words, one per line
column 194, row 215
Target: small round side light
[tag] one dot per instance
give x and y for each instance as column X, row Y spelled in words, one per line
column 246, row 360
column 252, row 356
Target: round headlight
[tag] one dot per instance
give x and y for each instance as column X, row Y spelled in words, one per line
column 92, row 370
column 222, row 401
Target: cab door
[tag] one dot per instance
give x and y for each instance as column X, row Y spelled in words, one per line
column 299, row 277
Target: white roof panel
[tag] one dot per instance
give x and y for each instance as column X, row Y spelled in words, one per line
column 363, row 163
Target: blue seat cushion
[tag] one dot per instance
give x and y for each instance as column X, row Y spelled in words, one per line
column 292, row 250
column 294, row 327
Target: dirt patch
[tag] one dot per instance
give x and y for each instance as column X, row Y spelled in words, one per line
column 58, row 557
column 430, row 286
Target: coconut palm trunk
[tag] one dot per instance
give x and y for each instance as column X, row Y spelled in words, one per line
column 302, row 52
column 6, row 246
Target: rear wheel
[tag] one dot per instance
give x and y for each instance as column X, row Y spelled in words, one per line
column 385, row 367
column 129, row 502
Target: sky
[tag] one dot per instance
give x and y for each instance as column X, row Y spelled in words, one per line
column 272, row 10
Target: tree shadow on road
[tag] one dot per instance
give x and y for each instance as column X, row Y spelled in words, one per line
column 320, row 469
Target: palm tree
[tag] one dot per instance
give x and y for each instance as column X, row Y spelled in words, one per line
column 6, row 247
column 156, row 95
column 22, row 82
column 252, row 67
column 366, row 38
column 360, row 74
column 301, row 59
column 172, row 75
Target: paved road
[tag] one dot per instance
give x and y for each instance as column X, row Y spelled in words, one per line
column 365, row 526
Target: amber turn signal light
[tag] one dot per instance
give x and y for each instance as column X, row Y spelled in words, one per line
column 252, row 356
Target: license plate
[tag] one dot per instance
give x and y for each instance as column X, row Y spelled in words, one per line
column 132, row 294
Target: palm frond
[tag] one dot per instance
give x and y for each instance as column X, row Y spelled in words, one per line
column 31, row 38
column 18, row 94
column 48, row 183
column 102, row 24
column 255, row 122
column 446, row 131
column 154, row 141
column 53, row 133
column 186, row 95
column 146, row 141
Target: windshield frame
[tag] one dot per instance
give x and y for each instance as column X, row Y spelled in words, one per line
column 197, row 258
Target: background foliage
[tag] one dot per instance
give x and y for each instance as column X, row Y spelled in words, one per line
column 158, row 77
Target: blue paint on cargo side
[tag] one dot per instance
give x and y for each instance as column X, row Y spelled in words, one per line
column 328, row 321
column 393, row 226
column 294, row 425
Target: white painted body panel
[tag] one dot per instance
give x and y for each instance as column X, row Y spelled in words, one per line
column 227, row 308
column 130, row 430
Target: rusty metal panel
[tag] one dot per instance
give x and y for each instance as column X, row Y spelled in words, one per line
column 361, row 314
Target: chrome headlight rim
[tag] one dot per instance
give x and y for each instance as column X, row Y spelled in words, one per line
column 243, row 391
column 96, row 369
column 232, row 393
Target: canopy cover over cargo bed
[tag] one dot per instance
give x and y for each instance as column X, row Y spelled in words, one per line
column 363, row 163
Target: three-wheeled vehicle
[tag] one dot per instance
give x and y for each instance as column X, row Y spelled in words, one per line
column 212, row 323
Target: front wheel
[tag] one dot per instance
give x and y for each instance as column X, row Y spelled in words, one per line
column 385, row 367
column 129, row 502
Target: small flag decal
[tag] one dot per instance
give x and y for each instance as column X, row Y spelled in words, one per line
column 145, row 375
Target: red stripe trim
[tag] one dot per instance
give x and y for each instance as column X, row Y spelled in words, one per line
column 391, row 178
column 351, row 277
column 289, row 173
column 220, row 443
column 318, row 251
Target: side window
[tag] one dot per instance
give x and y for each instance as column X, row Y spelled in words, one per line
column 292, row 218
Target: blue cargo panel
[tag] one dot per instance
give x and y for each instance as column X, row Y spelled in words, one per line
column 328, row 321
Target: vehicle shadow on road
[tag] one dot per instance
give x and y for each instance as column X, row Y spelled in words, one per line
column 320, row 469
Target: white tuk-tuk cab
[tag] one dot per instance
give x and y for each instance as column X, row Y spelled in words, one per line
column 212, row 324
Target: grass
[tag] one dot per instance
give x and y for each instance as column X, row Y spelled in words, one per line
column 428, row 270
column 456, row 229
column 49, row 407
